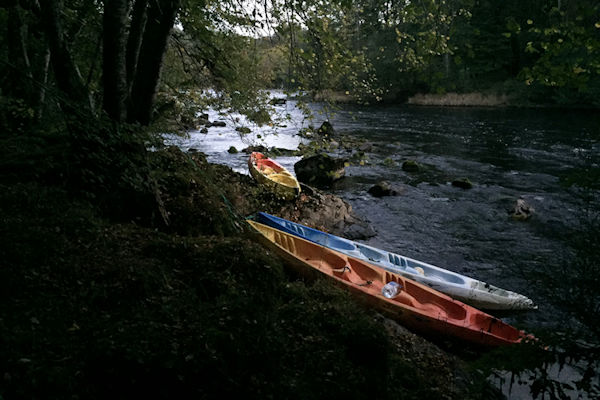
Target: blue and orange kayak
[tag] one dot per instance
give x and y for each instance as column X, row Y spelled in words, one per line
column 416, row 306
column 471, row 291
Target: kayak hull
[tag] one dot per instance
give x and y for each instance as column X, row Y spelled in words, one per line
column 417, row 307
column 274, row 176
column 468, row 290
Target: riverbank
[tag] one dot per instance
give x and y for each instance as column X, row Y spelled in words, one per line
column 460, row 100
column 473, row 99
column 172, row 299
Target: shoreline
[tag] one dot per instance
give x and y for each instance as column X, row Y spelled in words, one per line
column 451, row 100
column 474, row 99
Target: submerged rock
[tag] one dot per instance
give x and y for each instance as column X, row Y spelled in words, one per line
column 278, row 101
column 463, row 183
column 243, row 129
column 383, row 188
column 366, row 147
column 521, row 210
column 410, row 166
column 320, row 170
column 270, row 151
column 259, row 148
column 388, row 162
column 218, row 124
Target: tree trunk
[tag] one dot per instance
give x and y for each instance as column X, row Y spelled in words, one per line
column 19, row 77
column 161, row 16
column 134, row 42
column 67, row 76
column 41, row 95
column 114, row 73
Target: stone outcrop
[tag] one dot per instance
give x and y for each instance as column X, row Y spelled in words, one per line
column 383, row 188
column 320, row 170
column 328, row 213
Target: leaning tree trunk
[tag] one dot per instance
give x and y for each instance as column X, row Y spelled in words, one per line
column 113, row 72
column 161, row 16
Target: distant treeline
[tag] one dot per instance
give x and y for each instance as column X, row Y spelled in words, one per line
column 536, row 52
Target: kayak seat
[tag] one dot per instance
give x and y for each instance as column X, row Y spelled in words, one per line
column 365, row 272
column 399, row 261
column 371, row 254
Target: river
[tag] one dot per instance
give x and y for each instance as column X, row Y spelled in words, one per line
column 506, row 153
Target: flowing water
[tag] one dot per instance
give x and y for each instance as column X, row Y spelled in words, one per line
column 507, row 154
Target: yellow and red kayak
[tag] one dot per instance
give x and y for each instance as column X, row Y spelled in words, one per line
column 416, row 306
column 274, row 176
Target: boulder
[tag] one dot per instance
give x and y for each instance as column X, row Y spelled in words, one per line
column 388, row 162
column 326, row 129
column 280, row 151
column 218, row 124
column 521, row 210
column 365, row 147
column 278, row 101
column 260, row 148
column 328, row 213
column 232, row 150
column 463, row 183
column 243, row 129
column 204, row 130
column 410, row 166
column 320, row 170
column 381, row 189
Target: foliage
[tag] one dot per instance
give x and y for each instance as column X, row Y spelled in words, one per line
column 388, row 50
column 566, row 46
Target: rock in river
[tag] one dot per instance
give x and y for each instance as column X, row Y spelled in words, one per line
column 463, row 183
column 382, row 188
column 320, row 170
column 326, row 129
column 521, row 210
column 410, row 166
